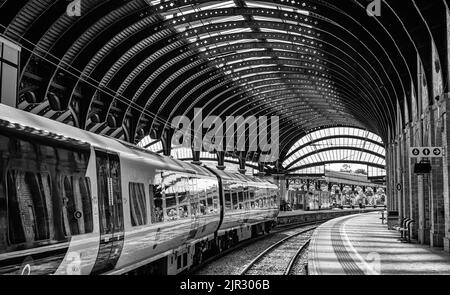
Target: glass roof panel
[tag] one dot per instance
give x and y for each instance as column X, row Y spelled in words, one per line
column 258, row 4
column 337, row 153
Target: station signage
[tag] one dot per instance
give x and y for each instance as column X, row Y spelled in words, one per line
column 426, row 152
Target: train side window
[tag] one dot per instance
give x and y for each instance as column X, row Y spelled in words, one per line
column 183, row 204
column 246, row 199
column 202, row 197
column 28, row 198
column 203, row 207
column 157, row 202
column 86, row 197
column 47, row 196
column 192, row 184
column 171, row 207
column 251, row 197
column 274, row 198
column 227, row 192
column 210, row 201
column 138, row 204
column 210, row 196
column 215, row 195
column 260, row 198
column 77, row 207
column 241, row 198
column 257, row 196
column 235, row 199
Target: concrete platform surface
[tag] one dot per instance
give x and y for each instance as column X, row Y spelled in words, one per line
column 362, row 245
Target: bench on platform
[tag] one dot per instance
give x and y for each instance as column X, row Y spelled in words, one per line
column 405, row 230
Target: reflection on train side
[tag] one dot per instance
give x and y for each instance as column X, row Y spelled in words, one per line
column 45, row 199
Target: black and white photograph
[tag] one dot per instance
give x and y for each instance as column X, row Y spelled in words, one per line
column 225, row 146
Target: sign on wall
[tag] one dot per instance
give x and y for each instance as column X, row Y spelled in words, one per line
column 426, row 152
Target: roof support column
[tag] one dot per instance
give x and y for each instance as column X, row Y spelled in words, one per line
column 166, row 140
column 261, row 170
column 283, row 185
column 196, row 157
column 242, row 162
column 437, row 212
column 424, row 185
column 398, row 177
column 445, row 140
column 221, row 160
column 406, row 172
column 446, row 166
column 391, row 195
column 414, row 180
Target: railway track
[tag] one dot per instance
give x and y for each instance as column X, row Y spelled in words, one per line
column 245, row 246
column 291, row 269
column 281, row 257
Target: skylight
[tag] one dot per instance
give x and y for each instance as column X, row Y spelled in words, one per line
column 258, row 4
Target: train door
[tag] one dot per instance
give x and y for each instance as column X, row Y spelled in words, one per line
column 110, row 211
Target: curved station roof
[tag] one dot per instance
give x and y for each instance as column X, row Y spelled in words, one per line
column 125, row 69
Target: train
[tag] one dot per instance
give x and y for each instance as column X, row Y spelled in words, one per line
column 309, row 200
column 77, row 203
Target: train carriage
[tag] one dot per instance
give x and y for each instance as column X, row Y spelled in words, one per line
column 73, row 202
column 251, row 207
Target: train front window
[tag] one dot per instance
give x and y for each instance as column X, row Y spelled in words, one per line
column 138, row 204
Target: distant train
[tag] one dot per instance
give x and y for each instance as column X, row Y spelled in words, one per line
column 309, row 201
column 73, row 202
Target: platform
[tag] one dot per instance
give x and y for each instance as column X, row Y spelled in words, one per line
column 362, row 245
column 302, row 212
column 299, row 216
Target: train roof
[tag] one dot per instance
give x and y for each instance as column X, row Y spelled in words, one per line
column 52, row 131
column 244, row 178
